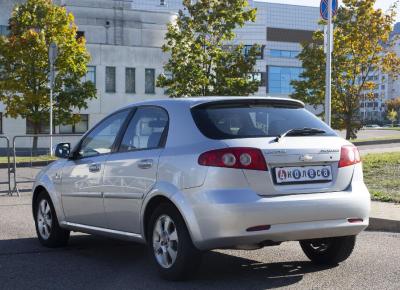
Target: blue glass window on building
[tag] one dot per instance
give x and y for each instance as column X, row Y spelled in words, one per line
column 280, row 78
column 283, row 53
column 4, row 30
column 260, row 51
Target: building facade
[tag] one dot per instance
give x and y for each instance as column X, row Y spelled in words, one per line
column 387, row 87
column 126, row 57
column 279, row 29
column 124, row 38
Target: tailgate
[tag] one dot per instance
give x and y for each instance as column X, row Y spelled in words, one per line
column 312, row 159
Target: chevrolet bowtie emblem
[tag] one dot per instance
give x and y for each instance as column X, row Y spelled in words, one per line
column 306, row 157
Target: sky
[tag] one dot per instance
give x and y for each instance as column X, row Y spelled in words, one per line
column 383, row 4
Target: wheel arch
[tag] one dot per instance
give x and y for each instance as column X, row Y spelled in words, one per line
column 177, row 201
column 38, row 189
column 54, row 197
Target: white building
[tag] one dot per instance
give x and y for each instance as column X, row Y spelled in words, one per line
column 126, row 57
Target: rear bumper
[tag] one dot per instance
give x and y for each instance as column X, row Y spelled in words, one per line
column 220, row 218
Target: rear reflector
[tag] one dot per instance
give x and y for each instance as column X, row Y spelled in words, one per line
column 237, row 157
column 259, row 228
column 349, row 155
column 355, row 220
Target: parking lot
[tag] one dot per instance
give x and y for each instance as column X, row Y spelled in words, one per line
column 97, row 263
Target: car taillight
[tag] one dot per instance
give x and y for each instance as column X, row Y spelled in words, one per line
column 238, row 157
column 349, row 155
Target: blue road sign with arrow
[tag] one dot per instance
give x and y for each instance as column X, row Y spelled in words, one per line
column 323, row 7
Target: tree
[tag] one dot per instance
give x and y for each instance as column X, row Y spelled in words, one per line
column 200, row 63
column 362, row 47
column 392, row 116
column 393, row 105
column 24, row 65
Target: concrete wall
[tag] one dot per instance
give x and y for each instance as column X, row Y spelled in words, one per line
column 116, row 35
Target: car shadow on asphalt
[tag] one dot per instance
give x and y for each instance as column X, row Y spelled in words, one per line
column 101, row 263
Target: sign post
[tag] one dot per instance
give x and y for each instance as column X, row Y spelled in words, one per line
column 52, row 59
column 328, row 8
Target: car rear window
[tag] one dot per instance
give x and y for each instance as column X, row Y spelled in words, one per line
column 230, row 121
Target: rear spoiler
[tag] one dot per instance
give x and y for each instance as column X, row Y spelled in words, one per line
column 282, row 103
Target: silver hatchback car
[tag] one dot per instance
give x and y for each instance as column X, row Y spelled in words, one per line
column 195, row 174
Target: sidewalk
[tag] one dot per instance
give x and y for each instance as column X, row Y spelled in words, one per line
column 384, row 217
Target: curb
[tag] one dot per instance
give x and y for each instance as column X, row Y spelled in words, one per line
column 376, row 142
column 26, row 164
column 384, row 225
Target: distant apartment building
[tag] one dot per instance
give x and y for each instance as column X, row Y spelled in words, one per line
column 387, row 87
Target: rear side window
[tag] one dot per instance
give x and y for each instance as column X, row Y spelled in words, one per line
column 146, row 130
column 252, row 121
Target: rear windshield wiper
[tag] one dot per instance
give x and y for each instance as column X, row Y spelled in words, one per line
column 300, row 132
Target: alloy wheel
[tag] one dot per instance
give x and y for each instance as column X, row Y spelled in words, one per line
column 44, row 219
column 165, row 241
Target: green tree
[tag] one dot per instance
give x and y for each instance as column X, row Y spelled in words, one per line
column 200, row 63
column 394, row 104
column 24, row 88
column 392, row 116
column 362, row 47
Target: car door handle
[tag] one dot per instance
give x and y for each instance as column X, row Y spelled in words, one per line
column 94, row 168
column 145, row 163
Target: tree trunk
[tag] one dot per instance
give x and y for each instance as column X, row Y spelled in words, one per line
column 36, row 130
column 348, row 124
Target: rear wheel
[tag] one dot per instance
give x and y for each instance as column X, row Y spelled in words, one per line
column 328, row 251
column 170, row 244
column 49, row 232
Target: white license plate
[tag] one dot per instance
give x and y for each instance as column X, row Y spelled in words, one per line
column 303, row 174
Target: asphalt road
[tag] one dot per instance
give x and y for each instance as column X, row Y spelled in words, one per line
column 371, row 133
column 380, row 148
column 97, row 263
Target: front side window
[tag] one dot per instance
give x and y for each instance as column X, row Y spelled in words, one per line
column 110, row 79
column 252, row 121
column 150, row 81
column 146, row 130
column 101, row 139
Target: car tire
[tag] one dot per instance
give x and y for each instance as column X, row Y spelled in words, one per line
column 48, row 230
column 328, row 251
column 170, row 244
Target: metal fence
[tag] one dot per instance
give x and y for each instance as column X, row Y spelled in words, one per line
column 27, row 162
column 5, row 169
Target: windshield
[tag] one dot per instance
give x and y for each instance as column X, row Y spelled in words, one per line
column 248, row 121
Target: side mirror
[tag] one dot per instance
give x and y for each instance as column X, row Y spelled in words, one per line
column 62, row 150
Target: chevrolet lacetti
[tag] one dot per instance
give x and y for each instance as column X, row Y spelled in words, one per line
column 196, row 174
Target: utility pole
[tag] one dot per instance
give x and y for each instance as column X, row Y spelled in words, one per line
column 52, row 59
column 328, row 78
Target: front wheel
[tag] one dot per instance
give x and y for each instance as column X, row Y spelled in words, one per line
column 171, row 245
column 328, row 251
column 48, row 230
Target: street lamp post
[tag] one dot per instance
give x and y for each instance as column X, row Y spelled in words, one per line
column 52, row 59
column 328, row 89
